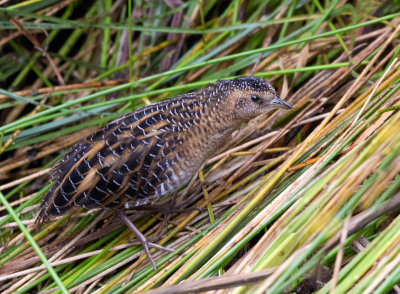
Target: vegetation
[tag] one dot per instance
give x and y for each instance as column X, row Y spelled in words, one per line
column 303, row 200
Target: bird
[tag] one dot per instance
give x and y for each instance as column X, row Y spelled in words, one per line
column 153, row 151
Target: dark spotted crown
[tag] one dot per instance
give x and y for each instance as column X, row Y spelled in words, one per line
column 247, row 83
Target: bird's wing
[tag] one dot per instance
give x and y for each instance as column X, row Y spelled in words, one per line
column 126, row 160
column 106, row 166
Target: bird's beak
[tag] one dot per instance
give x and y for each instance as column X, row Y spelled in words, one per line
column 279, row 103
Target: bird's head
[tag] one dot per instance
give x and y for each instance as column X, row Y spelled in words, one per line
column 248, row 96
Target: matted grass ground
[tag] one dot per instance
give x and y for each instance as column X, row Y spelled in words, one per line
column 298, row 201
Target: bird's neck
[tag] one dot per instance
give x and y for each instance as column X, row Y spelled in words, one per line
column 215, row 129
column 221, row 120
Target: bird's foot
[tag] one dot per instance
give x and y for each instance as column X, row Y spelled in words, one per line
column 145, row 242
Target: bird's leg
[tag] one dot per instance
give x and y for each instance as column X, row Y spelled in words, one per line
column 145, row 242
column 181, row 205
column 173, row 200
column 166, row 209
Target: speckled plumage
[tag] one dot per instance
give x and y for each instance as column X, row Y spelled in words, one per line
column 156, row 149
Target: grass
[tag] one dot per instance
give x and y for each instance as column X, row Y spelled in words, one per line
column 303, row 201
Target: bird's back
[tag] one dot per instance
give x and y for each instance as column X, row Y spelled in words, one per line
column 137, row 158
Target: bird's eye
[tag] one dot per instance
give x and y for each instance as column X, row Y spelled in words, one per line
column 255, row 98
